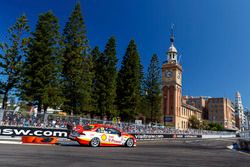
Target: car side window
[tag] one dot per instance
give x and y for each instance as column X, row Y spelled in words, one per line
column 113, row 131
column 100, row 130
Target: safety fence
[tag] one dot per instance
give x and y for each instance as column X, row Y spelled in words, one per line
column 245, row 135
column 63, row 133
column 56, row 121
column 244, row 141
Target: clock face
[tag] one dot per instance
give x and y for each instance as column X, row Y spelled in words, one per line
column 168, row 74
column 173, row 61
column 179, row 75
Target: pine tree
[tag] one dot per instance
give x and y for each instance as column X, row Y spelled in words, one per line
column 40, row 84
column 105, row 79
column 100, row 85
column 153, row 89
column 95, row 91
column 129, row 83
column 77, row 65
column 110, row 76
column 12, row 58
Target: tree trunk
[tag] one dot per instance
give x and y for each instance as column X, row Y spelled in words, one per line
column 45, row 111
column 151, row 110
column 39, row 107
column 5, row 99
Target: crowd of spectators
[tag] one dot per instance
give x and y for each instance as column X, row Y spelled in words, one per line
column 10, row 118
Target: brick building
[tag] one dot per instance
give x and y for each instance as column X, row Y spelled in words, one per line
column 176, row 111
column 221, row 111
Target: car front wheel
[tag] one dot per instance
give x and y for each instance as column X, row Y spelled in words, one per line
column 95, row 142
column 130, row 142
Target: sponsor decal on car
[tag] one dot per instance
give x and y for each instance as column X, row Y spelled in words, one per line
column 114, row 141
column 103, row 137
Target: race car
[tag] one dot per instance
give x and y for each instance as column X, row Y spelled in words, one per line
column 101, row 135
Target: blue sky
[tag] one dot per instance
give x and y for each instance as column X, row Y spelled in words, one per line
column 212, row 36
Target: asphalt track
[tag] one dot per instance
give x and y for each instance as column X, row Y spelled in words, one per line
column 148, row 153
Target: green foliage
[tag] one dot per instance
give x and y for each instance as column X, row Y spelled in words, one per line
column 105, row 79
column 40, row 83
column 153, row 89
column 12, row 58
column 214, row 126
column 193, row 122
column 97, row 85
column 207, row 125
column 110, row 76
column 23, row 107
column 204, row 125
column 77, row 65
column 129, row 83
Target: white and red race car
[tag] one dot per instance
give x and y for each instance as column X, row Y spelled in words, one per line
column 101, row 135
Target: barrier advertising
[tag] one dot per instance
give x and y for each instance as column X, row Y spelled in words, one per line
column 164, row 136
column 29, row 131
column 63, row 133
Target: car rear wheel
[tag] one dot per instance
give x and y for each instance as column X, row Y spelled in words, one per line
column 95, row 142
column 130, row 142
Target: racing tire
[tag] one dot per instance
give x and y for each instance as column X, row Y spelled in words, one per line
column 130, row 142
column 95, row 142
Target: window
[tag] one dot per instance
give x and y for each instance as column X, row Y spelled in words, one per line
column 100, row 130
column 113, row 131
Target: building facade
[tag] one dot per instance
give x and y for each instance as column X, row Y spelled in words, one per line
column 239, row 112
column 247, row 115
column 221, row 111
column 177, row 109
column 176, row 112
column 198, row 102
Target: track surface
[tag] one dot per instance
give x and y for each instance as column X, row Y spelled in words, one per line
column 147, row 153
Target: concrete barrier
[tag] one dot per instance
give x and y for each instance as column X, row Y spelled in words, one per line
column 10, row 140
column 217, row 136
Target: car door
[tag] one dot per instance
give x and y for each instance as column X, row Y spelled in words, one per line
column 101, row 134
column 114, row 136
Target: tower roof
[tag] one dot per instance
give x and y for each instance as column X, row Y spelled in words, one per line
column 172, row 49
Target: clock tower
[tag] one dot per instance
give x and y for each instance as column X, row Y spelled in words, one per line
column 172, row 86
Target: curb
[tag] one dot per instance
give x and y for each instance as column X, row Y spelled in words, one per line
column 10, row 142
